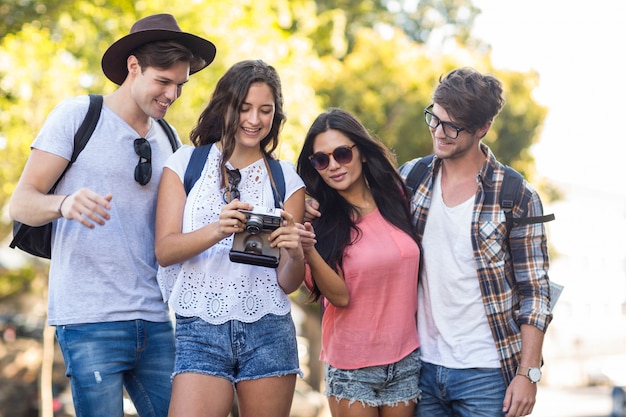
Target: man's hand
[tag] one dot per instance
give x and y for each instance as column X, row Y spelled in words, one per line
column 87, row 207
column 311, row 207
column 520, row 397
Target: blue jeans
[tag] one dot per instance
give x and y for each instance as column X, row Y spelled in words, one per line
column 447, row 392
column 101, row 358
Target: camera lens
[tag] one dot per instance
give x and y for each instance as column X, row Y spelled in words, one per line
column 254, row 224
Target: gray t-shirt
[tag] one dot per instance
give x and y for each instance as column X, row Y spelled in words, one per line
column 107, row 273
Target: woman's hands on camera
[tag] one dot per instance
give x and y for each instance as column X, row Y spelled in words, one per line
column 307, row 236
column 291, row 268
column 231, row 219
column 288, row 237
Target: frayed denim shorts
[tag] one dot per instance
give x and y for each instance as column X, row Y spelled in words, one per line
column 376, row 386
column 235, row 350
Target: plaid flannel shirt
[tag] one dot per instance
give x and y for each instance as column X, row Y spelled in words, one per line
column 513, row 273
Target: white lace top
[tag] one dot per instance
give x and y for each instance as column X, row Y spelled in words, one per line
column 209, row 285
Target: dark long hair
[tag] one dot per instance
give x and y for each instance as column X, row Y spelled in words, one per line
column 220, row 119
column 339, row 217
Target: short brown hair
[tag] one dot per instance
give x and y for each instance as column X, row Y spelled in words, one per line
column 470, row 98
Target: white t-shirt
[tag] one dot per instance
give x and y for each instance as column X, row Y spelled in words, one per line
column 452, row 324
column 209, row 285
column 107, row 273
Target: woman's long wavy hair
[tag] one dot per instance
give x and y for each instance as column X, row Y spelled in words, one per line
column 220, row 119
column 339, row 217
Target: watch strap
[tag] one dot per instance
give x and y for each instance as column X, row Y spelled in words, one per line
column 525, row 371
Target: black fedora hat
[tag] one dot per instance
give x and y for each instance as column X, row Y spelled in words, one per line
column 158, row 27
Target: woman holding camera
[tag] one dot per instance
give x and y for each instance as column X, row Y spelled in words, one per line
column 233, row 320
column 364, row 264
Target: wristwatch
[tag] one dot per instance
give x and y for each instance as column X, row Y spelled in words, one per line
column 534, row 374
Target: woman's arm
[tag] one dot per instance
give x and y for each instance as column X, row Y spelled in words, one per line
column 171, row 244
column 291, row 268
column 332, row 285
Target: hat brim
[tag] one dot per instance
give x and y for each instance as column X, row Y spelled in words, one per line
column 114, row 59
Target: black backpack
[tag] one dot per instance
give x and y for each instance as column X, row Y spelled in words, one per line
column 36, row 239
column 511, row 192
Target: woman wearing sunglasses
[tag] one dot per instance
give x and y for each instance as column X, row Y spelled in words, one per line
column 233, row 320
column 363, row 265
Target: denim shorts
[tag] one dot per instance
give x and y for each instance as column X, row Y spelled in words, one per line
column 235, row 350
column 376, row 386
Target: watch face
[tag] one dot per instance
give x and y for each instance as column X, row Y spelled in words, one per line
column 534, row 374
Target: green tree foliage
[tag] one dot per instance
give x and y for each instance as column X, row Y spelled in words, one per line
column 14, row 13
column 453, row 19
column 380, row 59
column 518, row 126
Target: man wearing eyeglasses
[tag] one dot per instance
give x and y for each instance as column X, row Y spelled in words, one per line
column 112, row 325
column 484, row 302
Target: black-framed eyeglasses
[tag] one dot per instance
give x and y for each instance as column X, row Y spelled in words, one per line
column 143, row 170
column 321, row 160
column 232, row 192
column 449, row 129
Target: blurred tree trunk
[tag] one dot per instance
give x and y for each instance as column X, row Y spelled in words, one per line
column 45, row 385
column 313, row 331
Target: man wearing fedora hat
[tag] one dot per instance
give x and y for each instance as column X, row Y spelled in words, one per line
column 111, row 322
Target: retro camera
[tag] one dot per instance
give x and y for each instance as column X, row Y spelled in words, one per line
column 251, row 246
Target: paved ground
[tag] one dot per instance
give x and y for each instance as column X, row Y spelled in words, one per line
column 573, row 402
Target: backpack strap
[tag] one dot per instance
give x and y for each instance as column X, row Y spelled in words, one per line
column 278, row 181
column 84, row 132
column 417, row 173
column 509, row 196
column 199, row 157
column 196, row 165
column 170, row 134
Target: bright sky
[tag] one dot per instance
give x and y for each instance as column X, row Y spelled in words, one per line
column 578, row 49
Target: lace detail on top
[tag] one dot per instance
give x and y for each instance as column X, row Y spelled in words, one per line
column 209, row 285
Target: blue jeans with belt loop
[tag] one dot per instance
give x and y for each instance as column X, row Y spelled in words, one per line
column 103, row 358
column 448, row 392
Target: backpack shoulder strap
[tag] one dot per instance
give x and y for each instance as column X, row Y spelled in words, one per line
column 170, row 134
column 196, row 165
column 510, row 194
column 276, row 171
column 417, row 173
column 84, row 132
